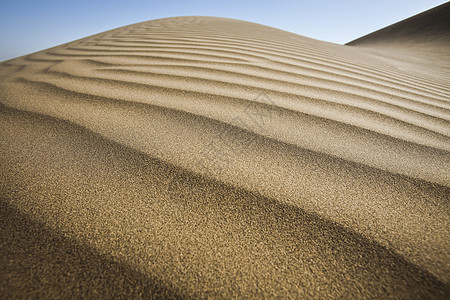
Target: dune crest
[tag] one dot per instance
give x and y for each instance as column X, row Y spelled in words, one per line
column 227, row 158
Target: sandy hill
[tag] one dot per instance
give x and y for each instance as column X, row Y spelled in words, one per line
column 211, row 157
column 431, row 26
column 422, row 40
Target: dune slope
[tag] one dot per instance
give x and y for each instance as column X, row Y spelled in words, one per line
column 430, row 26
column 211, row 157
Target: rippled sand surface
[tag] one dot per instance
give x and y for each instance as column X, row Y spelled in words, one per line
column 211, row 157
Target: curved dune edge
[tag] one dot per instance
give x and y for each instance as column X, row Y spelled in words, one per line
column 286, row 128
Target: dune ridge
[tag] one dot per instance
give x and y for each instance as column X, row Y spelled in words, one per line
column 226, row 158
column 429, row 26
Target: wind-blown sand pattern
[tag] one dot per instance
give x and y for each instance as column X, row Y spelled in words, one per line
column 211, row 157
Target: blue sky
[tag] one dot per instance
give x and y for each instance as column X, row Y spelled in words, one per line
column 30, row 26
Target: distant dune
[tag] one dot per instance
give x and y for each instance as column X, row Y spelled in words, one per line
column 431, row 26
column 196, row 157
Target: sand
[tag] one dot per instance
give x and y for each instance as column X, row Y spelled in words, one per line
column 196, row 157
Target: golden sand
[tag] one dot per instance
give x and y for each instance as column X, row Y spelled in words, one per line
column 211, row 157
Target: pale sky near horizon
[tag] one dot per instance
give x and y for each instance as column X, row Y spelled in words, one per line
column 28, row 26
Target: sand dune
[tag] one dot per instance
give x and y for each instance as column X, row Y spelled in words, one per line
column 212, row 157
column 430, row 27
